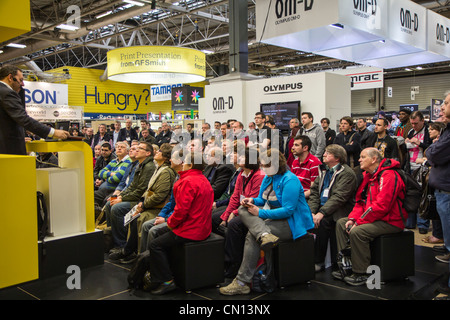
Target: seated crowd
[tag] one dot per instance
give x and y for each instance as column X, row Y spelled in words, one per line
column 256, row 188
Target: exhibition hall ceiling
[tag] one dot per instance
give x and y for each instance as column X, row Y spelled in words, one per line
column 198, row 24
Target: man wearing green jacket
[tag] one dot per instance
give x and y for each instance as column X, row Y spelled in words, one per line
column 130, row 196
column 332, row 197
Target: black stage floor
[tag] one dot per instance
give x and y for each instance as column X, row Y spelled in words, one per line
column 109, row 282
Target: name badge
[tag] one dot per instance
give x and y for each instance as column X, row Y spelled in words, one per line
column 326, row 192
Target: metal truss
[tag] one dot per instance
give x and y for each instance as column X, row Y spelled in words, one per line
column 199, row 24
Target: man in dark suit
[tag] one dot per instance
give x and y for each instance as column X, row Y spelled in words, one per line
column 13, row 117
column 218, row 172
column 128, row 134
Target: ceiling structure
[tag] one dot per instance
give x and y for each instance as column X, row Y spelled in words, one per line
column 199, row 24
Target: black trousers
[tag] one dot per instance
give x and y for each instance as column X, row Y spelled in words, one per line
column 160, row 247
column 235, row 234
column 324, row 233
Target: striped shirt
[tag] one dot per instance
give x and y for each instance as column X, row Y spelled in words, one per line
column 114, row 171
column 307, row 171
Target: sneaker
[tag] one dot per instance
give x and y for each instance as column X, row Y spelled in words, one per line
column 443, row 258
column 440, row 249
column 337, row 275
column 117, row 255
column 356, row 279
column 164, row 288
column 234, row 288
column 319, row 267
column 269, row 241
column 129, row 258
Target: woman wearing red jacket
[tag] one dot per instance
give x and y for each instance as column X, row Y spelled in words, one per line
column 378, row 210
column 190, row 221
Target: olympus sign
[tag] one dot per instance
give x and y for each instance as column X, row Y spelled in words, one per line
column 283, row 88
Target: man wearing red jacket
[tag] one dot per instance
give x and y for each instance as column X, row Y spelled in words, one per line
column 190, row 221
column 378, row 210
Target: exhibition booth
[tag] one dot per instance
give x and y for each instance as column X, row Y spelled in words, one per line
column 360, row 31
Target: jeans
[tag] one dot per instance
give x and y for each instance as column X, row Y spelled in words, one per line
column 256, row 227
column 415, row 219
column 119, row 231
column 150, row 231
column 443, row 208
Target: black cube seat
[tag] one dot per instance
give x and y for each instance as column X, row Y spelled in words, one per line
column 198, row 264
column 294, row 261
column 394, row 254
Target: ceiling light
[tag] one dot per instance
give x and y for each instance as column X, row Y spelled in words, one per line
column 134, row 2
column 337, row 26
column 289, row 66
column 419, row 68
column 69, row 27
column 103, row 15
column 207, row 51
column 408, row 69
column 16, row 45
column 1, row 51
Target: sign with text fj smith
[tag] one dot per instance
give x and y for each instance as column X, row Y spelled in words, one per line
column 156, row 64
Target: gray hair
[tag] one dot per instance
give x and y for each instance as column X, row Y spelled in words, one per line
column 338, row 152
column 127, row 146
column 374, row 153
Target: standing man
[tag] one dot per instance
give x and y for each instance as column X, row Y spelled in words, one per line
column 14, row 120
column 418, row 139
column 366, row 134
column 350, row 140
column 330, row 134
column 115, row 133
column 386, row 145
column 405, row 125
column 128, row 134
column 438, row 154
column 315, row 133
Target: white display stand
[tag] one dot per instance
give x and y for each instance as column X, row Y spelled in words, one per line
column 61, row 189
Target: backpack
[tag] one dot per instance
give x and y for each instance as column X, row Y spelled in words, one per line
column 137, row 273
column 344, row 261
column 264, row 278
column 42, row 216
column 413, row 191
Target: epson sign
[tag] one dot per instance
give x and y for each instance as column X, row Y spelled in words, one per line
column 43, row 93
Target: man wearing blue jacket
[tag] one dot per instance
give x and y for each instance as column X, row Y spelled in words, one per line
column 438, row 154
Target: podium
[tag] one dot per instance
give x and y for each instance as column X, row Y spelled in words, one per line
column 69, row 193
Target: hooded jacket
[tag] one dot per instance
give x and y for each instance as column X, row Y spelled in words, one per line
column 318, row 140
column 380, row 195
column 194, row 196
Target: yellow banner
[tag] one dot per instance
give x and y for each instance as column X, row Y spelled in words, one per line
column 110, row 97
column 126, row 64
